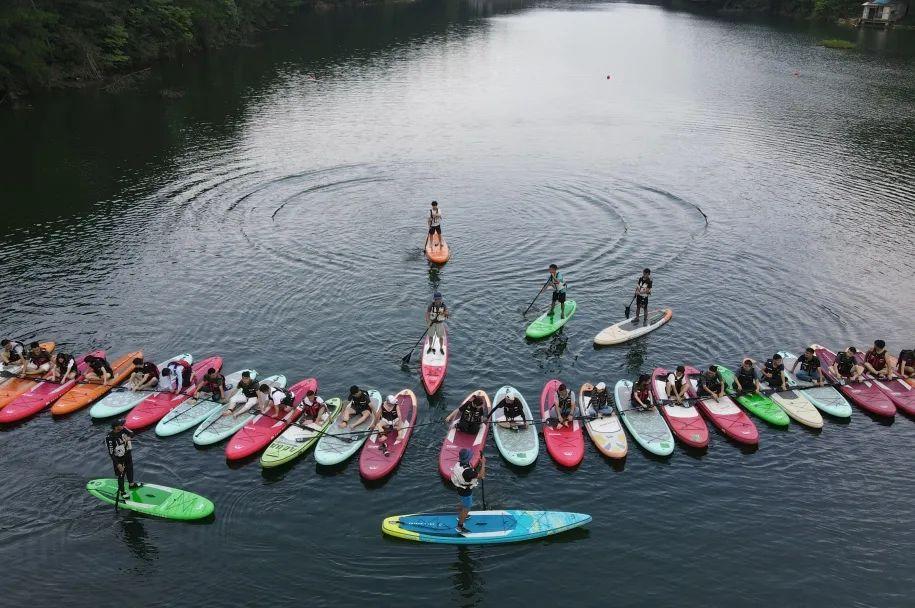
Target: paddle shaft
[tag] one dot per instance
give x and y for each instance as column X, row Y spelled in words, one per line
column 629, row 307
column 406, row 358
column 539, row 293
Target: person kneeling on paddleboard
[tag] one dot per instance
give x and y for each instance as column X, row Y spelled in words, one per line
column 710, row 384
column 389, row 417
column 118, row 441
column 313, row 409
column 64, row 368
column 471, row 412
column 558, row 283
column 436, row 314
column 11, row 351
column 846, row 367
column 435, row 223
column 677, row 386
column 213, row 383
column 811, row 367
column 875, row 361
column 642, row 291
column 906, row 363
column 145, row 375
column 773, row 372
column 244, row 392
column 465, row 478
column 360, row 404
column 512, row 413
column 641, row 393
column 99, row 371
column 176, row 376
column 564, row 409
column 38, row 361
column 599, row 403
column 746, row 379
column 277, row 399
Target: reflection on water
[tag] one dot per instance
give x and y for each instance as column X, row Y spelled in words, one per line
column 467, row 577
column 136, row 538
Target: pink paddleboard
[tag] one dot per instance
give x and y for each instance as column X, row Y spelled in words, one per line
column 152, row 409
column 566, row 445
column 43, row 395
column 457, row 440
column 434, row 365
column 898, row 390
column 685, row 422
column 373, row 462
column 865, row 394
column 724, row 413
column 261, row 430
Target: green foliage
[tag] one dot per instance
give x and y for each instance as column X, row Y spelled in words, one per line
column 50, row 42
column 836, row 43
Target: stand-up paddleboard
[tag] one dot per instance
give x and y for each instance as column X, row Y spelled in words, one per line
column 759, row 405
column 118, row 402
column 85, row 393
column 603, row 427
column 43, row 394
column 795, row 404
column 194, row 411
column 826, row 398
column 262, row 429
column 486, row 527
column 565, row 445
column 221, row 425
column 547, row 325
column 898, row 390
column 520, row 445
column 338, row 443
column 437, row 250
column 723, row 413
column 152, row 409
column 433, row 366
column 865, row 395
column 627, row 330
column 646, row 426
column 684, row 420
column 894, row 361
column 300, row 436
column 153, row 499
column 379, row 458
column 10, row 387
column 456, row 440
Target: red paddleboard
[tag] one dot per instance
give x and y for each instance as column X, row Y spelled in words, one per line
column 723, row 413
column 457, row 440
column 43, row 394
column 434, row 366
column 898, row 390
column 373, row 462
column 438, row 253
column 152, row 409
column 566, row 445
column 865, row 394
column 684, row 420
column 261, row 430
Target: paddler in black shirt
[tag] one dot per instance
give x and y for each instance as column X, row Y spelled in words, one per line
column 564, row 408
column 512, row 413
column 471, row 413
column 121, row 452
column 710, row 384
column 145, row 375
column 811, row 367
column 599, row 402
column 360, row 404
column 746, row 381
column 773, row 373
column 99, row 371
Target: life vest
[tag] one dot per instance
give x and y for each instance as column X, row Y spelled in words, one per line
column 213, row 385
column 361, row 402
column 599, row 399
column 564, row 404
column 747, row 377
column 98, row 364
column 68, row 361
column 40, row 358
column 470, row 414
column 248, row 390
column 644, row 286
column 773, row 371
column 148, row 369
column 713, row 383
column 457, row 477
column 810, row 365
column 845, row 363
column 642, row 393
column 390, row 415
column 312, row 408
column 875, row 359
column 558, row 283
column 437, row 312
column 677, row 382
column 184, row 368
column 512, row 410
column 287, row 399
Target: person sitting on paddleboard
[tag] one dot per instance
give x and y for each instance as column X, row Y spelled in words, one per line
column 278, row 400
column 244, row 392
column 906, row 363
column 436, row 313
column 11, row 351
column 746, row 379
column 435, row 223
column 512, row 413
column 64, row 368
column 99, row 371
column 558, row 283
column 846, row 367
column 213, row 383
column 875, row 361
column 599, row 403
column 38, row 361
column 710, row 383
column 313, row 409
column 121, row 451
column 389, row 417
column 145, row 375
column 811, row 367
column 773, row 372
column 176, row 376
column 677, row 385
column 564, row 409
column 471, row 414
column 642, row 291
column 465, row 478
column 641, row 393
column 360, row 404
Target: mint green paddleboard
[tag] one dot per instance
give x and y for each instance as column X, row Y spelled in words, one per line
column 758, row 405
column 153, row 499
column 546, row 325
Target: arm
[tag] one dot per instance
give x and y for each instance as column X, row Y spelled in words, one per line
column 482, row 473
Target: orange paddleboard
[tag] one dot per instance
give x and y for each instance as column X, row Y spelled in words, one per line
column 14, row 387
column 437, row 253
column 83, row 394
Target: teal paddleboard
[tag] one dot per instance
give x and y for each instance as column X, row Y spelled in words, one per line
column 153, row 499
column 485, row 527
column 547, row 325
column 519, row 446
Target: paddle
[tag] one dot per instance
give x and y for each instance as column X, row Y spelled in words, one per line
column 539, row 293
column 406, row 358
column 629, row 307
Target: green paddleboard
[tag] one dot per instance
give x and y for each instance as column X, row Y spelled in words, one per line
column 545, row 325
column 760, row 406
column 153, row 499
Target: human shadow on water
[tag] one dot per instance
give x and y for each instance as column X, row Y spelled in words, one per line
column 466, row 578
column 136, row 539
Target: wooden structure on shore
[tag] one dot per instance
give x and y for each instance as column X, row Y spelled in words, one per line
column 882, row 13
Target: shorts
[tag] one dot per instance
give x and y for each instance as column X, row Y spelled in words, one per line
column 805, row 376
column 641, row 301
column 467, row 501
column 387, row 424
column 435, row 230
column 559, row 296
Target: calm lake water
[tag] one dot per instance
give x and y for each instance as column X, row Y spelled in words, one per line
column 270, row 208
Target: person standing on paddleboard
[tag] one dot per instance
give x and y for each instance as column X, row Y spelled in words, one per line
column 558, row 283
column 436, row 313
column 811, row 367
column 710, row 383
column 121, row 452
column 465, row 478
column 642, row 291
column 435, row 223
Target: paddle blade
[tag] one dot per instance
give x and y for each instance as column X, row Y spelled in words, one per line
column 407, row 357
column 628, row 310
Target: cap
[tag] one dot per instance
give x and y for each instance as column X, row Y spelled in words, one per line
column 117, row 423
column 601, row 386
column 392, row 399
column 465, row 455
column 437, row 295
